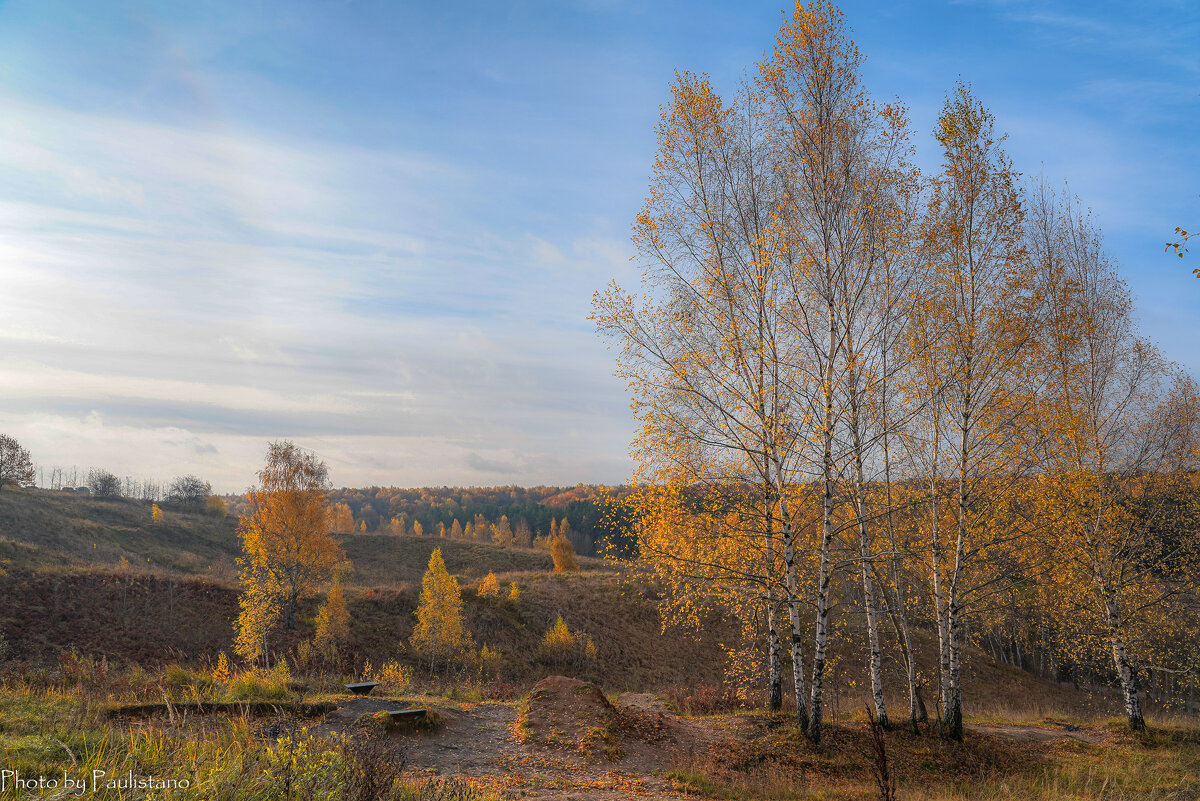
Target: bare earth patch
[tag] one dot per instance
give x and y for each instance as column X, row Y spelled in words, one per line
column 566, row 742
column 1039, row 732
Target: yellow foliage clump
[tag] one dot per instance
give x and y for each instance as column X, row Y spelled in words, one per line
column 156, row 514
column 333, row 624
column 563, row 554
column 514, row 594
column 391, row 674
column 562, row 646
column 489, row 661
column 221, row 672
column 489, row 587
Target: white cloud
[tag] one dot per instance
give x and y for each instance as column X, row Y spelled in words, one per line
column 175, row 298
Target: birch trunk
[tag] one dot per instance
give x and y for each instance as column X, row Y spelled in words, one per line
column 774, row 668
column 803, row 716
column 899, row 605
column 1129, row 687
column 875, row 659
column 824, row 574
column 866, row 557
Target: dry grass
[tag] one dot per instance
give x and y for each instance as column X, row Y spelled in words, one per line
column 776, row 762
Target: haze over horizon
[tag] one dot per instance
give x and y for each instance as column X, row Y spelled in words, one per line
column 375, row 229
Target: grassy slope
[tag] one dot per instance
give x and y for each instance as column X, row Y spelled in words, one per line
column 46, row 529
column 61, row 553
column 43, row 528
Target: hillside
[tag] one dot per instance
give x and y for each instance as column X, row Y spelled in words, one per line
column 48, row 528
column 42, row 529
column 176, row 599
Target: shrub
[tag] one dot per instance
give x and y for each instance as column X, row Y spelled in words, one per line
column 563, row 554
column 561, row 646
column 489, row 587
column 514, row 594
column 489, row 661
column 104, row 484
column 393, row 675
column 221, row 671
column 704, row 699
column 333, row 624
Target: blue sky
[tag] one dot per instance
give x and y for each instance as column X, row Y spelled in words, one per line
column 375, row 227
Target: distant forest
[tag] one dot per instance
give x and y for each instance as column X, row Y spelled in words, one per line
column 521, row 515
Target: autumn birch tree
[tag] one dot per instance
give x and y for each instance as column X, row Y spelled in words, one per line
column 287, row 551
column 1119, row 435
column 702, row 353
column 826, row 130
column 981, row 311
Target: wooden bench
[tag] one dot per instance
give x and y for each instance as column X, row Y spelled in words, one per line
column 362, row 687
column 413, row 715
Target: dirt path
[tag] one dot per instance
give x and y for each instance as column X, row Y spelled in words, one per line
column 1039, row 732
column 481, row 741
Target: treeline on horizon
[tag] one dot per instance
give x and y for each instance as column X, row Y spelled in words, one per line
column 531, row 514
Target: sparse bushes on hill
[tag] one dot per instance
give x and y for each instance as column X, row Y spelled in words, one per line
column 188, row 492
column 215, row 506
column 561, row 646
column 103, row 484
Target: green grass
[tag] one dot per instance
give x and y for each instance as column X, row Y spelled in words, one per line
column 52, row 734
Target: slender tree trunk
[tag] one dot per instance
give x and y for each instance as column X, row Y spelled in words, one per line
column 774, row 668
column 875, row 658
column 1129, row 687
column 898, row 605
column 939, row 605
column 825, row 570
column 953, row 725
column 866, row 557
column 803, row 718
column 953, row 720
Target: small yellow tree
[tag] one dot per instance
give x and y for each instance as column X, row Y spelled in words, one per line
column 563, row 554
column 502, row 533
column 333, row 624
column 514, row 594
column 221, row 672
column 341, row 519
column 258, row 611
column 287, row 551
column 562, row 646
column 439, row 635
column 489, row 587
column 156, row 514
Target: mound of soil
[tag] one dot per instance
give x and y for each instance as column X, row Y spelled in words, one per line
column 572, row 714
